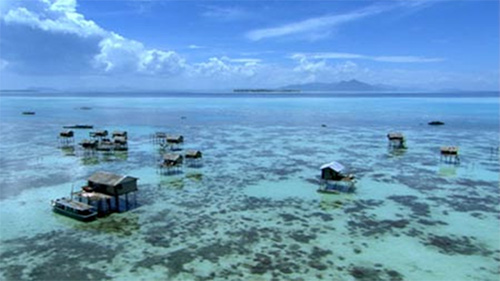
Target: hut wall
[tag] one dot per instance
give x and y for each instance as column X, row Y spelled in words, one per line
column 127, row 187
column 102, row 188
column 123, row 188
column 329, row 174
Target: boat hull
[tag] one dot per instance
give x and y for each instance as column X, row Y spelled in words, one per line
column 72, row 215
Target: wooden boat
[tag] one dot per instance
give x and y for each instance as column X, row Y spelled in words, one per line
column 436, row 123
column 328, row 190
column 28, row 113
column 89, row 143
column 74, row 209
column 337, row 187
column 79, row 126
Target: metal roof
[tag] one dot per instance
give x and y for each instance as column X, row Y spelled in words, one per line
column 395, row 136
column 119, row 133
column 449, row 149
column 120, row 139
column 193, row 154
column 172, row 157
column 110, row 179
column 336, row 166
column 174, row 138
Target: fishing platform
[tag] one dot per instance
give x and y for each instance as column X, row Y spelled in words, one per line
column 449, row 154
column 396, row 141
column 334, row 180
column 108, row 192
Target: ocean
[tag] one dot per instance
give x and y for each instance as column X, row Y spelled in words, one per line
column 251, row 210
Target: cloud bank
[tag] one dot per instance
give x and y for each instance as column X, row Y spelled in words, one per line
column 48, row 37
column 351, row 56
column 315, row 24
column 48, row 43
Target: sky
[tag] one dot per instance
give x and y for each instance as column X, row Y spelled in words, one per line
column 204, row 45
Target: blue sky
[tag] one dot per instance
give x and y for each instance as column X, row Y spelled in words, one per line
column 155, row 45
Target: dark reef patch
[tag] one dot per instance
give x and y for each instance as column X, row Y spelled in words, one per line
column 302, row 237
column 362, row 205
column 290, row 217
column 468, row 203
column 431, row 222
column 418, row 209
column 176, row 261
column 66, row 272
column 323, row 216
column 13, row 272
column 424, row 182
column 118, row 225
column 361, row 273
column 370, row 227
column 50, row 253
column 452, row 245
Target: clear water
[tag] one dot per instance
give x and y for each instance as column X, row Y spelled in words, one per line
column 251, row 212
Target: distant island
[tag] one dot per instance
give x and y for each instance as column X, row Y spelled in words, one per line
column 342, row 86
column 266, row 90
column 352, row 85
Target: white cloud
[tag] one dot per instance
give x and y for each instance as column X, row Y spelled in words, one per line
column 320, row 71
column 226, row 68
column 78, row 44
column 120, row 55
column 406, row 59
column 52, row 38
column 314, row 25
column 161, row 62
column 248, row 61
column 393, row 59
column 317, row 28
column 55, row 18
column 225, row 13
column 194, row 47
column 3, row 64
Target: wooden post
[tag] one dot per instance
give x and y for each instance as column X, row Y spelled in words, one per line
column 135, row 199
column 126, row 201
column 117, row 203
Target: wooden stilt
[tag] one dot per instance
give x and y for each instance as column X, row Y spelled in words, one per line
column 126, row 202
column 117, row 202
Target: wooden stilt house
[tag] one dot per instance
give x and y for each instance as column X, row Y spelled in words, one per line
column 193, row 158
column 396, row 140
column 111, row 186
column 450, row 154
column 334, row 180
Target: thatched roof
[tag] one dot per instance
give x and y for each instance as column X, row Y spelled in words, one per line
column 88, row 143
column 175, row 138
column 449, row 150
column 120, row 140
column 109, row 179
column 335, row 166
column 172, row 159
column 99, row 133
column 120, row 134
column 66, row 134
column 193, row 154
column 395, row 136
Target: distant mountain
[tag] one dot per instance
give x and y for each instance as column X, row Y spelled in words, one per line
column 41, row 89
column 342, row 86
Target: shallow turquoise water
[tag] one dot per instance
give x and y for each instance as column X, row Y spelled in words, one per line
column 251, row 212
